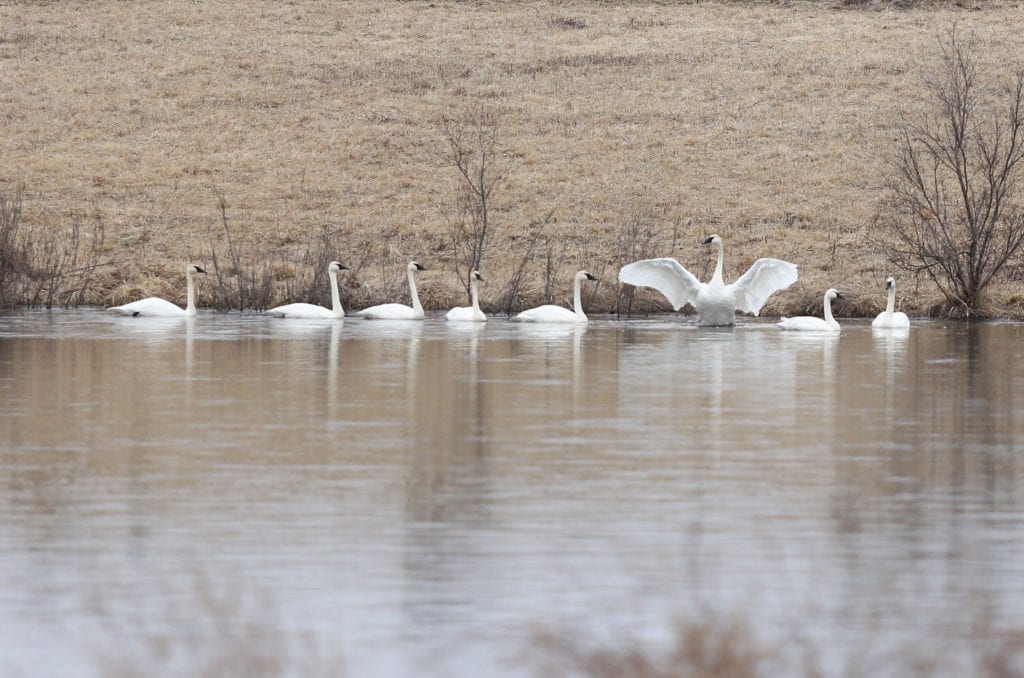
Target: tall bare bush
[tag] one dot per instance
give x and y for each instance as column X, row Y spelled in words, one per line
column 954, row 210
column 475, row 151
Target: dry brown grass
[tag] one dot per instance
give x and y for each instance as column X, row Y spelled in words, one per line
column 769, row 123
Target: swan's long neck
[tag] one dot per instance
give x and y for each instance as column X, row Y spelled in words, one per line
column 577, row 303
column 190, row 294
column 412, row 290
column 890, row 304
column 717, row 277
column 474, row 294
column 336, row 308
column 828, row 311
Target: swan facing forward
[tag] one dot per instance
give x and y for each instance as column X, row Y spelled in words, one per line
column 470, row 313
column 890, row 318
column 399, row 311
column 157, row 307
column 549, row 313
column 312, row 310
column 716, row 302
column 807, row 323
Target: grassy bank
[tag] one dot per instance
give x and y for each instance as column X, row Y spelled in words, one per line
column 263, row 136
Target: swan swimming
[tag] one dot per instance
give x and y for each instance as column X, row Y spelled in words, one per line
column 312, row 310
column 549, row 313
column 157, row 307
column 716, row 302
column 891, row 319
column 807, row 323
column 399, row 311
column 470, row 313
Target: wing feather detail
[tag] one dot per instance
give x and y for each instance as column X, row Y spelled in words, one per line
column 763, row 279
column 667, row 276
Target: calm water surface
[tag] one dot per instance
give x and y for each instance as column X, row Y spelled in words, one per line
column 419, row 499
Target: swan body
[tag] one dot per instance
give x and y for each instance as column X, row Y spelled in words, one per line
column 470, row 313
column 891, row 319
column 549, row 313
column 312, row 310
column 716, row 303
column 399, row 311
column 806, row 323
column 157, row 307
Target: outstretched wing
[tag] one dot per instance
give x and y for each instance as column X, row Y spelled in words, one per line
column 667, row 276
column 762, row 280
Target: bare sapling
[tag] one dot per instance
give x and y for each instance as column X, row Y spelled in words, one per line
column 474, row 149
column 954, row 209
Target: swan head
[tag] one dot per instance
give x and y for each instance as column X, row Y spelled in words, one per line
column 713, row 240
column 584, row 275
column 337, row 266
column 890, row 283
column 832, row 294
column 414, row 267
column 193, row 268
column 475, row 275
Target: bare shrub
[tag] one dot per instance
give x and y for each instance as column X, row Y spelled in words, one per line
column 511, row 298
column 237, row 286
column 13, row 262
column 953, row 209
column 475, row 150
column 46, row 266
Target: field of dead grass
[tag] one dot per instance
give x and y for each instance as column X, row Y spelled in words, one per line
column 769, row 124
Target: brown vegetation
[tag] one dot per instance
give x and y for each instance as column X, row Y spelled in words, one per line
column 768, row 123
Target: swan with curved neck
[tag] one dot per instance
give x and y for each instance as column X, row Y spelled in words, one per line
column 807, row 323
column 716, row 303
column 890, row 318
column 312, row 310
column 157, row 307
column 470, row 313
column 399, row 311
column 549, row 313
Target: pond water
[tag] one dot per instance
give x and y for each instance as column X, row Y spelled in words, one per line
column 419, row 499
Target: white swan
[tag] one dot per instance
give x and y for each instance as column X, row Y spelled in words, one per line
column 470, row 313
column 312, row 310
column 399, row 311
column 890, row 319
column 549, row 313
column 716, row 302
column 806, row 323
column 155, row 306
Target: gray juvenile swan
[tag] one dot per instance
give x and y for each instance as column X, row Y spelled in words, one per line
column 716, row 302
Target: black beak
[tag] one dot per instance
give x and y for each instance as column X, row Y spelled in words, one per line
column 591, row 277
column 341, row 266
column 199, row 269
column 420, row 268
column 708, row 241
